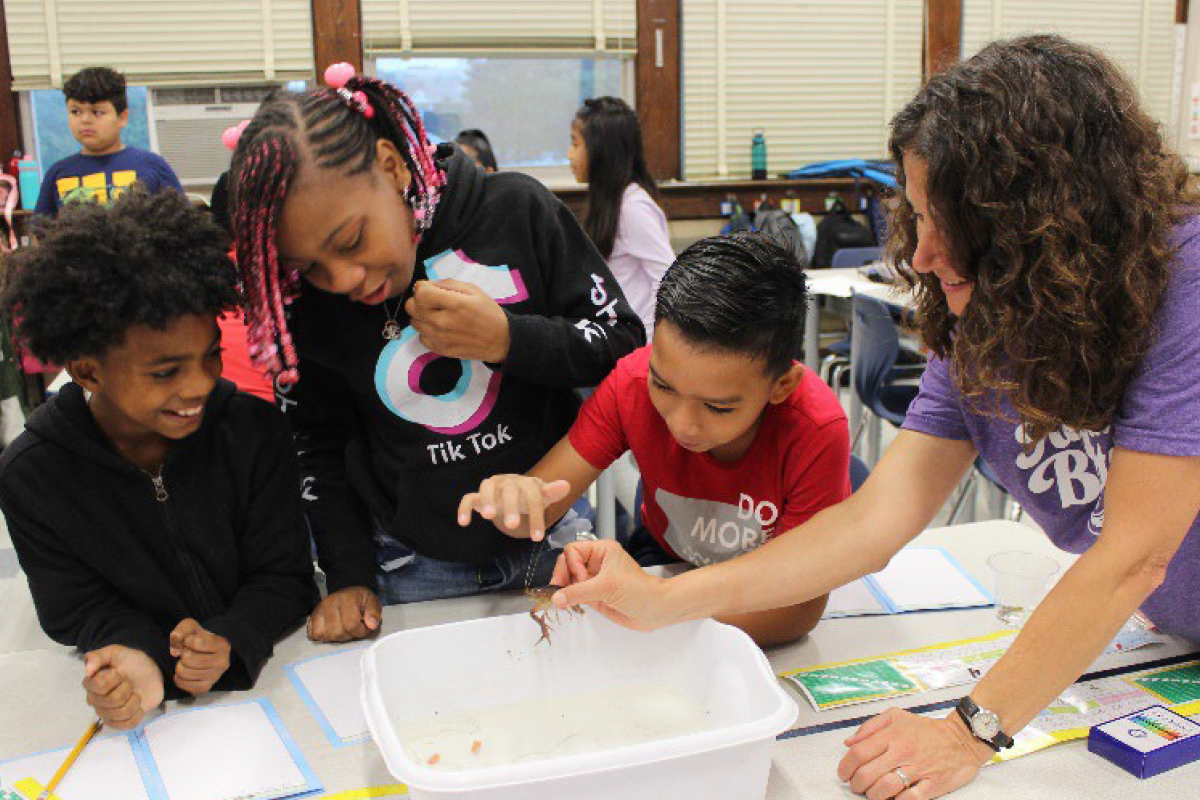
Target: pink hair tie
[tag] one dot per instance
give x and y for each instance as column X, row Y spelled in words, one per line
column 336, row 75
column 357, row 101
column 364, row 105
column 233, row 133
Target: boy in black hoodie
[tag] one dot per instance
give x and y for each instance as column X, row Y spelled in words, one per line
column 155, row 510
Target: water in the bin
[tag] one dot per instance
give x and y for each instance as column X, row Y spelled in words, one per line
column 551, row 727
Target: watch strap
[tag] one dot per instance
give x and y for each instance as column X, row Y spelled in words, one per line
column 967, row 709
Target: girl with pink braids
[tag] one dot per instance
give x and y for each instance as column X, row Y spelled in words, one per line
column 426, row 324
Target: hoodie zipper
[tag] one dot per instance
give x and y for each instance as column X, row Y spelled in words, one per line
column 186, row 561
column 160, row 490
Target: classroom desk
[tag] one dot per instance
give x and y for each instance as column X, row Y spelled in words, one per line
column 43, row 705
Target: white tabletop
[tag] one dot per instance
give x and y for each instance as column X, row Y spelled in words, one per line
column 43, row 708
column 846, row 281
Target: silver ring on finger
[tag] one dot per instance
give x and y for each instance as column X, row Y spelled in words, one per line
column 902, row 776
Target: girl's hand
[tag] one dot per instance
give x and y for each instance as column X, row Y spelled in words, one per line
column 507, row 499
column 935, row 756
column 604, row 576
column 345, row 615
column 456, row 319
column 122, row 684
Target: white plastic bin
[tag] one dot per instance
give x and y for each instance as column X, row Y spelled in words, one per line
column 484, row 663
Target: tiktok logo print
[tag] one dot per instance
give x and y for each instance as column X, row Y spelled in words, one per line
column 1075, row 463
column 398, row 370
column 606, row 306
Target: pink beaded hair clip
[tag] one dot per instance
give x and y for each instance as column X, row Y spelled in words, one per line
column 336, row 76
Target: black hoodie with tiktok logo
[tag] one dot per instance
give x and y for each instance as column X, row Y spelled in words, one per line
column 392, row 435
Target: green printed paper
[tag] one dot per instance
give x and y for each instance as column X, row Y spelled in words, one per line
column 1175, row 685
column 853, row 683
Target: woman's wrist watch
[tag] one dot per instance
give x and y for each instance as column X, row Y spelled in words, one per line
column 983, row 724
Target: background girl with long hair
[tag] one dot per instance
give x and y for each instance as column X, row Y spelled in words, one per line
column 622, row 217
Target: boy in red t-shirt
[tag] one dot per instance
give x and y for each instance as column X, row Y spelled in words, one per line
column 736, row 441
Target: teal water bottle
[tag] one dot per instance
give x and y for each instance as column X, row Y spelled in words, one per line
column 29, row 179
column 758, row 156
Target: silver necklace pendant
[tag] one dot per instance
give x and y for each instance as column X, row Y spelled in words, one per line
column 391, row 330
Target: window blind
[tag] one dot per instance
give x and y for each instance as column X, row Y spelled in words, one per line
column 1139, row 35
column 821, row 79
column 160, row 42
column 400, row 26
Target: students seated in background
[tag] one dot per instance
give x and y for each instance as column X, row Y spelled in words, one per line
column 476, row 144
column 622, row 217
column 155, row 510
column 97, row 111
column 736, row 441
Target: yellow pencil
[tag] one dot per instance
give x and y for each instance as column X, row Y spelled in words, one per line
column 92, row 730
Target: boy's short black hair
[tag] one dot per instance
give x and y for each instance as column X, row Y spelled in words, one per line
column 478, row 141
column 95, row 85
column 740, row 293
column 96, row 271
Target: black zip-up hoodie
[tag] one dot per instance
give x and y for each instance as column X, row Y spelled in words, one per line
column 114, row 557
column 405, row 462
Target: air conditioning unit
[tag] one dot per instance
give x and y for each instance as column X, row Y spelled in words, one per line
column 188, row 123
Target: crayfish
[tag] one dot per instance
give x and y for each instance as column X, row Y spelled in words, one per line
column 543, row 610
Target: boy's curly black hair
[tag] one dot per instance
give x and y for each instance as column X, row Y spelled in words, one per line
column 96, row 271
column 95, row 85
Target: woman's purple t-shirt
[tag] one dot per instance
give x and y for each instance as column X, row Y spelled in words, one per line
column 1060, row 481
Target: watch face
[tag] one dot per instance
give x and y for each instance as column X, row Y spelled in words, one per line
column 985, row 724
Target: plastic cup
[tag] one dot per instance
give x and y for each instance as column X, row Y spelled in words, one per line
column 1022, row 580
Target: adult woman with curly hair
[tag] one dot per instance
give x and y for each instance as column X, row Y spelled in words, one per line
column 1057, row 268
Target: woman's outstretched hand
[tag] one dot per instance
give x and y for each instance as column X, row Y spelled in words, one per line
column 602, row 575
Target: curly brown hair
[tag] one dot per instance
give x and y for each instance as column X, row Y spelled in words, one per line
column 1055, row 194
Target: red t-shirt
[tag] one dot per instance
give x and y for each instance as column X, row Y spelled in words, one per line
column 238, row 366
column 704, row 510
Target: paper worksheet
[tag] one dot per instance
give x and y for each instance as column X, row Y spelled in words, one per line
column 925, row 578
column 852, row 600
column 233, row 751
column 917, row 579
column 329, row 685
column 107, row 769
column 227, row 752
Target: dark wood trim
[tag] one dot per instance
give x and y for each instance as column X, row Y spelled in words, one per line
column 943, row 35
column 337, row 33
column 657, row 67
column 1181, row 12
column 10, row 108
column 703, row 200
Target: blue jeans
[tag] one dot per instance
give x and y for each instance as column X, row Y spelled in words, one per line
column 405, row 576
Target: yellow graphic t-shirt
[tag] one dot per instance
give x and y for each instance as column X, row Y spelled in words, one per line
column 103, row 178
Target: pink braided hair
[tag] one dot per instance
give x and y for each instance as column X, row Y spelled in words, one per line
column 265, row 162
